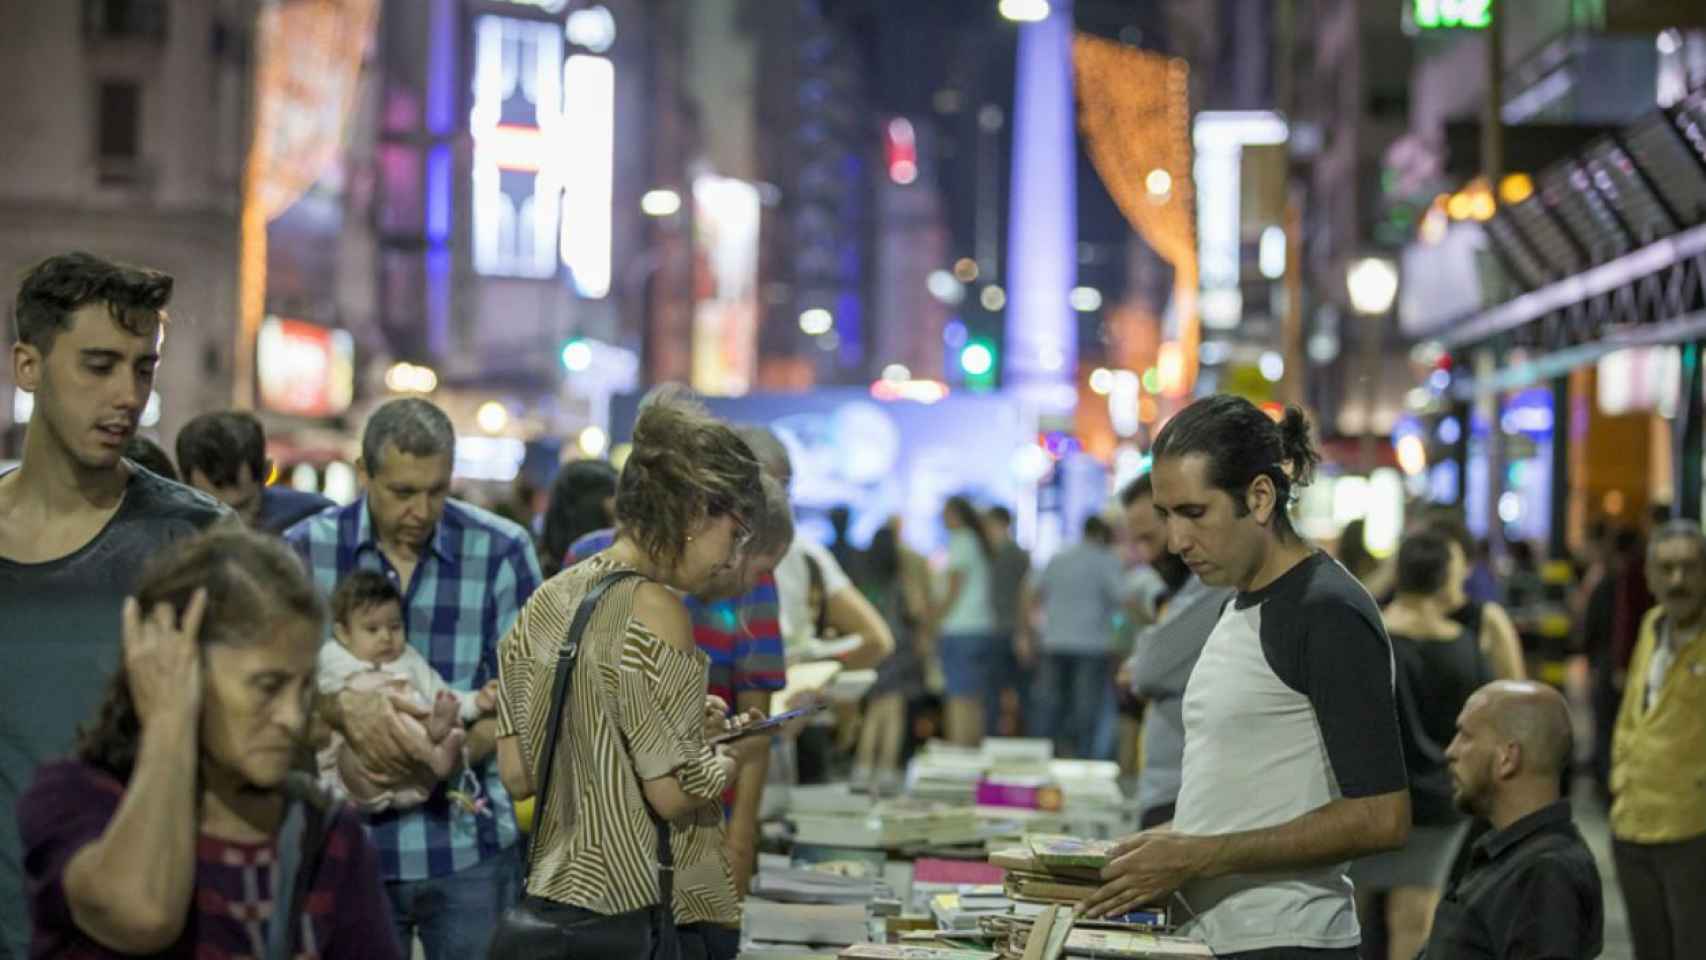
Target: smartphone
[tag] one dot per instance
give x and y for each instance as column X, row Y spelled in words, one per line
column 769, row 724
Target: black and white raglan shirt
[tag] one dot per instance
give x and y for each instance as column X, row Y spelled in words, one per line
column 1290, row 708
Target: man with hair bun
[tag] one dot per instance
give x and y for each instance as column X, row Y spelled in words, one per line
column 1292, row 764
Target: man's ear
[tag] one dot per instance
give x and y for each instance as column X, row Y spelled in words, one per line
column 1261, row 497
column 27, row 366
column 1508, row 763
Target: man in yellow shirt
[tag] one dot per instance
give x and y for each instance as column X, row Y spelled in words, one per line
column 1658, row 759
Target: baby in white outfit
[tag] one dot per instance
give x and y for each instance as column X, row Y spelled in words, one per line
column 371, row 653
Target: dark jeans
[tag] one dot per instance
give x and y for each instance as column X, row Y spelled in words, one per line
column 1071, row 695
column 456, row 914
column 1004, row 675
column 1664, row 888
column 708, row 941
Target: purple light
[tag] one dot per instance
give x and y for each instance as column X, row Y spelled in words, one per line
column 438, row 196
column 441, row 72
column 1043, row 226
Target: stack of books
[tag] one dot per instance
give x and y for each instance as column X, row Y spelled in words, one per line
column 804, row 910
column 1051, row 870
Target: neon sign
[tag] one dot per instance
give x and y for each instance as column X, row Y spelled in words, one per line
column 1452, row 14
column 538, row 198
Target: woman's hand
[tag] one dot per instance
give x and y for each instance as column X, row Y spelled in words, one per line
column 162, row 659
column 716, row 718
column 746, row 750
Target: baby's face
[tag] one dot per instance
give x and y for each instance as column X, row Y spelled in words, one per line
column 374, row 633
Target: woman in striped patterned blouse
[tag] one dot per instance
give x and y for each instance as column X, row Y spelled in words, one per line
column 634, row 728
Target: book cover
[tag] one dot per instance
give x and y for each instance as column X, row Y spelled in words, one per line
column 1133, row 945
column 904, row 951
column 1053, row 852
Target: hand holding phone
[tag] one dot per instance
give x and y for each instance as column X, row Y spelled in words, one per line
column 768, row 725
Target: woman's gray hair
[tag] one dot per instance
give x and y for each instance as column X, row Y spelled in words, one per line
column 414, row 426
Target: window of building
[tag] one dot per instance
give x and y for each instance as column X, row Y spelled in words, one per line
column 144, row 19
column 118, row 116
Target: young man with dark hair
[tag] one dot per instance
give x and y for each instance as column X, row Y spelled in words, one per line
column 224, row 455
column 1529, row 887
column 1293, row 764
column 77, row 519
column 464, row 574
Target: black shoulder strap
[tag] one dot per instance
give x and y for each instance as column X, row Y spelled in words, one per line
column 567, row 655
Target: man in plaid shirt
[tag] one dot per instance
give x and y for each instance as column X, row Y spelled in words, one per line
column 464, row 575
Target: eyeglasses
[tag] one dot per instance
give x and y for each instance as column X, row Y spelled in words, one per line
column 742, row 538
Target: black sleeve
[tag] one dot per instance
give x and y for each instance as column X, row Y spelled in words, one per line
column 1545, row 914
column 1340, row 658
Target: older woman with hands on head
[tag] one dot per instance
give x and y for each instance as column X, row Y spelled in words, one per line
column 178, row 829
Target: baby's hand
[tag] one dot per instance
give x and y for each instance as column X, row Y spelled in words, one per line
column 487, row 698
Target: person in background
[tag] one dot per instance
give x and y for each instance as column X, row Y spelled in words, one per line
column 583, row 501
column 1164, row 654
column 1009, row 573
column 148, row 455
column 224, row 455
column 1529, row 887
column 897, row 584
column 735, row 626
column 1491, row 626
column 1607, row 656
column 841, row 548
column 1293, row 764
column 1658, row 761
column 963, row 622
column 464, row 575
column 1080, row 591
column 1439, row 664
column 633, row 750
column 817, row 597
column 1354, row 556
column 163, row 836
column 77, row 520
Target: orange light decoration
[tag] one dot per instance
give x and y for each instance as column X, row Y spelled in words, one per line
column 1135, row 113
column 308, row 56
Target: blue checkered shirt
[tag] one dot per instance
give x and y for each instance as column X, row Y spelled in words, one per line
column 469, row 585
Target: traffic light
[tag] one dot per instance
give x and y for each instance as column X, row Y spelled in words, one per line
column 979, row 361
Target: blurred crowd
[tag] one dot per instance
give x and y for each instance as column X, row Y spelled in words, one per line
column 329, row 730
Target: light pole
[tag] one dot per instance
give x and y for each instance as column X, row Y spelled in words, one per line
column 1373, row 284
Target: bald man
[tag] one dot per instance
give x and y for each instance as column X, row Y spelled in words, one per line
column 1530, row 888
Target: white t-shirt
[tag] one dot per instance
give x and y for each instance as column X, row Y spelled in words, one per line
column 972, row 611
column 794, row 586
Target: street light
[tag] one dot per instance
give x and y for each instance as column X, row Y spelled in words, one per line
column 1373, row 284
column 661, row 202
column 1024, row 11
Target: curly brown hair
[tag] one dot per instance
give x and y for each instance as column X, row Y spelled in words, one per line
column 251, row 579
column 685, row 467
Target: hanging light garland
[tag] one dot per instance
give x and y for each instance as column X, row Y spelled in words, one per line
column 1135, row 113
column 308, row 69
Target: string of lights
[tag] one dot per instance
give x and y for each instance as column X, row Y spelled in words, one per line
column 1135, row 115
column 308, row 69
